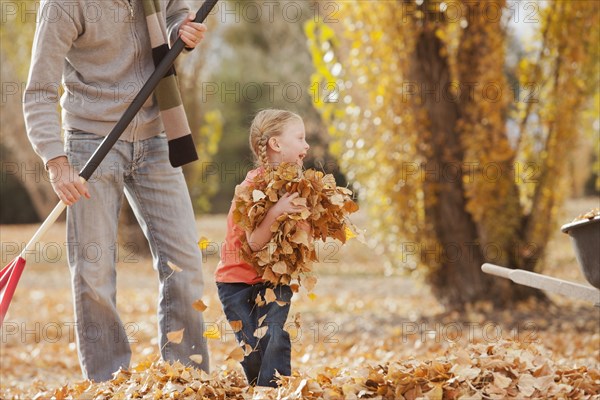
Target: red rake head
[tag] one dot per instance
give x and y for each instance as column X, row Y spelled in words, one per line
column 9, row 278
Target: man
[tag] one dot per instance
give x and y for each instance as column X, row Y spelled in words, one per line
column 101, row 51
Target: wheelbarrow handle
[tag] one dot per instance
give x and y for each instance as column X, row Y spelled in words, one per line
column 496, row 270
column 543, row 282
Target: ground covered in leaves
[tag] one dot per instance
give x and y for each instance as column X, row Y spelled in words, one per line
column 364, row 332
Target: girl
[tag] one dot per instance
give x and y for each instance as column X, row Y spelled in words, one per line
column 276, row 136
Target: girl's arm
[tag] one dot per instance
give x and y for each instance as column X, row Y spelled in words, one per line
column 261, row 235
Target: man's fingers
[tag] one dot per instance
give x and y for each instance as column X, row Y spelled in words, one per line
column 188, row 42
column 189, row 39
column 192, row 32
column 67, row 185
column 194, row 27
column 200, row 27
column 72, row 192
column 64, row 199
column 82, row 189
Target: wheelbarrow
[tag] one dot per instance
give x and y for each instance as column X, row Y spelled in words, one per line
column 585, row 237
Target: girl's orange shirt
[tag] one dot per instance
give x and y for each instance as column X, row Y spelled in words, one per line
column 232, row 268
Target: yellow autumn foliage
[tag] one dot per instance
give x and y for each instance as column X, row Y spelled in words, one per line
column 420, row 124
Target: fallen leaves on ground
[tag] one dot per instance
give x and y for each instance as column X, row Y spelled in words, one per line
column 503, row 370
column 492, row 371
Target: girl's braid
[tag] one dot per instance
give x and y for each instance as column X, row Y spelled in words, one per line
column 262, row 149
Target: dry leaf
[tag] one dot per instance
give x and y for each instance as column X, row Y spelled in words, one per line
column 261, row 319
column 279, row 267
column 309, row 283
column 299, row 201
column 236, row 326
column 197, row 358
column 260, row 332
column 526, row 384
column 203, row 243
column 501, row 380
column 259, row 301
column 270, row 296
column 375, row 358
column 173, row 267
column 257, row 195
column 464, row 372
column 175, row 336
column 236, row 354
column 297, row 318
column 349, row 233
column 437, row 393
column 199, row 305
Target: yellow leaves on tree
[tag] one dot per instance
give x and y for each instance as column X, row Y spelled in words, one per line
column 290, row 253
column 424, row 101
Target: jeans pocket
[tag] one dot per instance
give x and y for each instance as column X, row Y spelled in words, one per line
column 81, row 135
column 79, row 146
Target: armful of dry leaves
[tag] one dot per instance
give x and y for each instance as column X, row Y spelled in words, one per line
column 291, row 251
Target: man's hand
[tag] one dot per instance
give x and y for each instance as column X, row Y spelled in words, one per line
column 191, row 32
column 65, row 181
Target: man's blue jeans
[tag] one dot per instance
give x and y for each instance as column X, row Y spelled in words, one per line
column 160, row 200
column 273, row 351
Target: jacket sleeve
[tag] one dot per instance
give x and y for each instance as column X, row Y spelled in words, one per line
column 177, row 11
column 55, row 32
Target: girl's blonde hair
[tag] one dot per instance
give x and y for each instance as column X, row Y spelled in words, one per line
column 267, row 124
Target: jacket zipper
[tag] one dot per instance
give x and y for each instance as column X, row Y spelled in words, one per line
column 134, row 122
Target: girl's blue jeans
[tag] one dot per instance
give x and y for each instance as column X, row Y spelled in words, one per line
column 273, row 351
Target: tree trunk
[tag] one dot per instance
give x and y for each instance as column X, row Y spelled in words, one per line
column 22, row 162
column 458, row 281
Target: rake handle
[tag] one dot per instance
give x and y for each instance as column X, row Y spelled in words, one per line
column 143, row 95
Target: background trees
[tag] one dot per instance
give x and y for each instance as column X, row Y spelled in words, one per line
column 459, row 165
